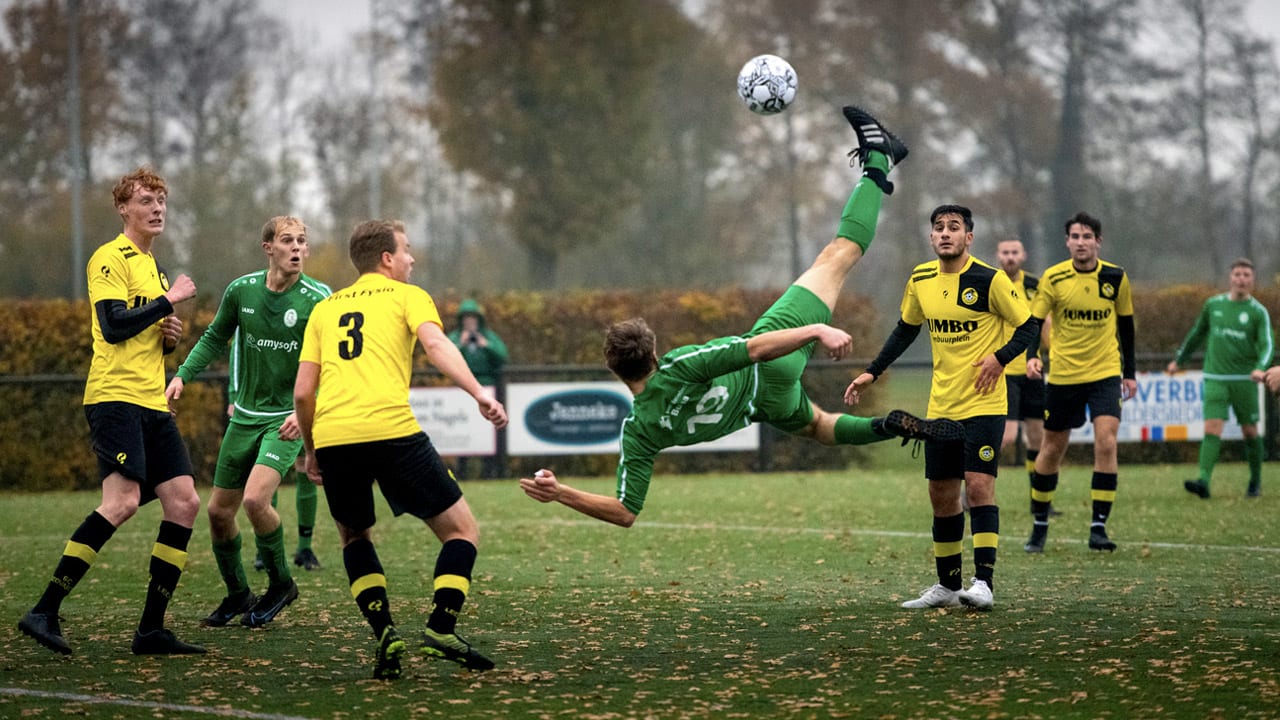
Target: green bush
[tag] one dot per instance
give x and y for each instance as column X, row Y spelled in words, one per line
column 44, row 441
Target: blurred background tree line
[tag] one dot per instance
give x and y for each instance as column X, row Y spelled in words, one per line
column 571, row 144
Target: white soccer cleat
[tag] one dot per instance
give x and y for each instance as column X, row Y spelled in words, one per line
column 935, row 596
column 978, row 596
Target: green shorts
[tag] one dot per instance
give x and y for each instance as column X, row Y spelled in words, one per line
column 1242, row 395
column 782, row 400
column 247, row 444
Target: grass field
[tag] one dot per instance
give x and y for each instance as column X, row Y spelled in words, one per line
column 735, row 596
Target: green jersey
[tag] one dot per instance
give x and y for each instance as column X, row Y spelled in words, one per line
column 699, row 393
column 267, row 328
column 1236, row 335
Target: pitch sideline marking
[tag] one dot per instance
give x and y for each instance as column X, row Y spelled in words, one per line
column 894, row 533
column 172, row 707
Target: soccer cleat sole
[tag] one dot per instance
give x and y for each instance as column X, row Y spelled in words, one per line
column 909, row 427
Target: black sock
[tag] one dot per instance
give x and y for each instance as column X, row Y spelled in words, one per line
column 368, row 584
column 984, row 523
column 452, row 583
column 948, row 544
column 77, row 557
column 168, row 558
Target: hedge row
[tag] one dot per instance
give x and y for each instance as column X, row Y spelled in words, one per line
column 44, row 439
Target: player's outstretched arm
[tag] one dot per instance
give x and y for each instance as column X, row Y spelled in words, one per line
column 445, row 356
column 776, row 343
column 544, row 487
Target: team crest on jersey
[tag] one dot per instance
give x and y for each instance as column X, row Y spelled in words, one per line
column 969, row 296
column 1108, row 290
column 290, row 317
column 987, row 453
column 1244, row 318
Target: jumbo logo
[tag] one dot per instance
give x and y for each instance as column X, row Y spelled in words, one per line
column 577, row 417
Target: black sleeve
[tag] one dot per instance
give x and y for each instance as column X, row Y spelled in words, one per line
column 1033, row 346
column 1128, row 360
column 119, row 323
column 899, row 340
column 1022, row 337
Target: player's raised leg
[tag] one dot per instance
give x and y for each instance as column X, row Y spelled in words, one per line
column 878, row 151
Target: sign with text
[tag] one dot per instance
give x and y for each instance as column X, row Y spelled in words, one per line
column 1168, row 408
column 585, row 418
column 452, row 420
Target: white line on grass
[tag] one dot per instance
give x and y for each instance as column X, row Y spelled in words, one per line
column 893, row 533
column 170, row 707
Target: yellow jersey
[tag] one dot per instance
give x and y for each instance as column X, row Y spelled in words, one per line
column 965, row 313
column 131, row 370
column 1083, row 343
column 362, row 338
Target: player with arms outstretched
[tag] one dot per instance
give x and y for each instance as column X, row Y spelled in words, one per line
column 698, row 393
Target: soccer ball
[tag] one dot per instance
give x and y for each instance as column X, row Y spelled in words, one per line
column 767, row 84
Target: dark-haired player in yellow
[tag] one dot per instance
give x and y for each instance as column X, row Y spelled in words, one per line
column 141, row 456
column 966, row 305
column 1026, row 396
column 1092, row 366
column 351, row 397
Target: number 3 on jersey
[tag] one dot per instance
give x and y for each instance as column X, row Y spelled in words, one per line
column 351, row 347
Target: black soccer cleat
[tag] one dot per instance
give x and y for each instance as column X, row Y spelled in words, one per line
column 1099, row 541
column 909, row 427
column 274, row 600
column 163, row 642
column 873, row 136
column 451, row 647
column 390, row 648
column 1035, row 543
column 45, row 629
column 1197, row 487
column 229, row 608
column 306, row 559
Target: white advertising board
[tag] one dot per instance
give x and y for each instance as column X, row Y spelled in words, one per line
column 452, row 420
column 1168, row 408
column 584, row 418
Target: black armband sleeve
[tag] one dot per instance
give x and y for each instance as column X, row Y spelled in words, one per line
column 1022, row 338
column 899, row 340
column 119, row 323
column 1033, row 347
column 1128, row 358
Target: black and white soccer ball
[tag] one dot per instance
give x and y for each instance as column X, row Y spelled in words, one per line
column 767, row 84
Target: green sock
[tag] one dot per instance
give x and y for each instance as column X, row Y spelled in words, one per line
column 1209, row 449
column 271, row 547
column 853, row 430
column 862, row 209
column 307, row 500
column 1253, row 452
column 227, row 556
